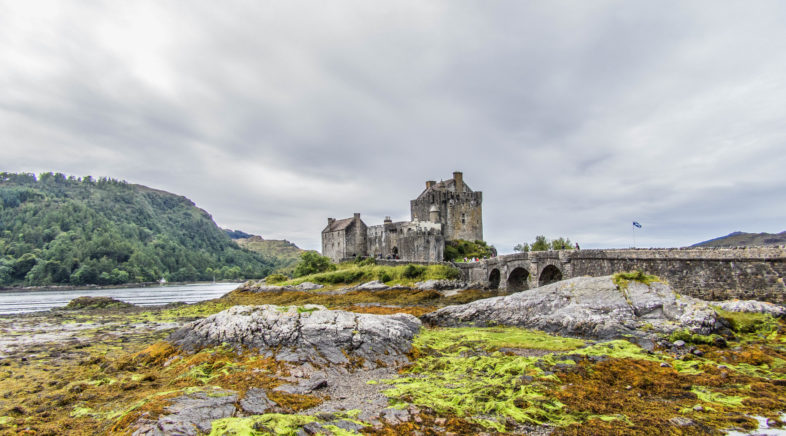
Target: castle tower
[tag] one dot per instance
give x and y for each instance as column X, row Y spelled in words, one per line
column 453, row 204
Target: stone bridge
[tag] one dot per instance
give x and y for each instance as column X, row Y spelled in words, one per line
column 707, row 273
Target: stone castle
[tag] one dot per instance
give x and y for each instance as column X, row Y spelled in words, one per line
column 444, row 211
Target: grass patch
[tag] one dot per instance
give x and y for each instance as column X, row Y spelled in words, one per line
column 357, row 272
column 622, row 279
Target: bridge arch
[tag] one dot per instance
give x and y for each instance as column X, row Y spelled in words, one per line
column 549, row 274
column 518, row 279
column 494, row 278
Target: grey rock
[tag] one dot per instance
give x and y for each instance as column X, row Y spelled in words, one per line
column 681, row 421
column 591, row 307
column 313, row 428
column 305, row 334
column 308, row 286
column 375, row 285
column 679, row 343
column 752, row 306
column 439, row 284
column 395, row 416
column 190, row 414
column 665, row 365
column 348, row 425
column 256, row 402
column 304, row 387
column 271, row 288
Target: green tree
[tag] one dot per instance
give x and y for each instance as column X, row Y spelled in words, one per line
column 311, row 263
column 561, row 244
column 540, row 244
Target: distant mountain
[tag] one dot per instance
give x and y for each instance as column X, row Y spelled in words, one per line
column 65, row 230
column 741, row 239
column 283, row 253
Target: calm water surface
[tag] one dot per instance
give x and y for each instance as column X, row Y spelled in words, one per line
column 33, row 301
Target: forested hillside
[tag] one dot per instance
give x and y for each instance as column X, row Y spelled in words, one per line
column 65, row 230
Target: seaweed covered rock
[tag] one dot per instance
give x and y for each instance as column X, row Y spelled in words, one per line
column 93, row 303
column 309, row 333
column 593, row 307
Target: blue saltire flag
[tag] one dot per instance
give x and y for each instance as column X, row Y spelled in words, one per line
column 636, row 224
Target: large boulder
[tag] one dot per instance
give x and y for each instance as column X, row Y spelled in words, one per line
column 309, row 333
column 592, row 307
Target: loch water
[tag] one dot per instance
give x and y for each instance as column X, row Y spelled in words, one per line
column 14, row 302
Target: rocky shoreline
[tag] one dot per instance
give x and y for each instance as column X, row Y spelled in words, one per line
column 354, row 360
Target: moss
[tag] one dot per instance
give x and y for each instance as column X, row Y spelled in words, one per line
column 622, row 279
column 276, row 424
column 452, row 377
column 747, row 322
column 618, row 349
column 492, row 338
column 706, row 395
column 692, row 338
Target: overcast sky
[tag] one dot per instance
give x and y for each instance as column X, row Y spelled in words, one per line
column 574, row 118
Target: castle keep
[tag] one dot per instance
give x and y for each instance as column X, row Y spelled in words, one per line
column 444, row 211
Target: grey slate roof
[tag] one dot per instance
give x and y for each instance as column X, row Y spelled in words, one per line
column 339, row 225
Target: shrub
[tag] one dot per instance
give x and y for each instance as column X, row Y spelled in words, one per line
column 384, row 276
column 459, row 249
column 312, row 263
column 276, row 278
column 414, row 271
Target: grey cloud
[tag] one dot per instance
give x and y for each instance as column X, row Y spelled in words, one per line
column 574, row 118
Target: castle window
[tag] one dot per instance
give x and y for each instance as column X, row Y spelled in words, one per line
column 463, row 218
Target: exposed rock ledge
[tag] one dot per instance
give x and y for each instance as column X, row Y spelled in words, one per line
column 592, row 307
column 309, row 333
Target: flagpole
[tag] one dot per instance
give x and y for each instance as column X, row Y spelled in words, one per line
column 633, row 230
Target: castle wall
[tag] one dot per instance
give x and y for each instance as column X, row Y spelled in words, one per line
column 356, row 240
column 417, row 241
column 334, row 245
column 460, row 213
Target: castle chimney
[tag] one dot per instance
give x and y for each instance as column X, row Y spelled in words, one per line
column 331, row 221
column 458, row 178
column 388, row 220
column 430, row 183
column 357, row 216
